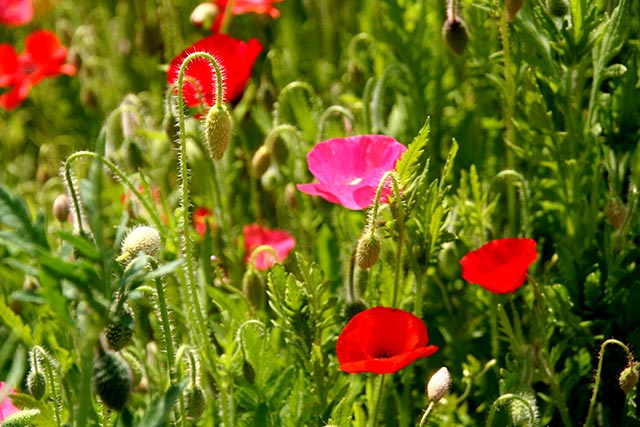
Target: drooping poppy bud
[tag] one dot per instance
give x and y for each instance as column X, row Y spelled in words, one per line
column 455, row 34
column 111, row 380
column 218, row 126
column 628, row 379
column 367, row 249
column 558, row 8
column 439, row 384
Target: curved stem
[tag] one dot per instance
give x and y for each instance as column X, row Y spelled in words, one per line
column 504, row 398
column 337, row 110
column 257, row 251
column 423, row 420
column 592, row 402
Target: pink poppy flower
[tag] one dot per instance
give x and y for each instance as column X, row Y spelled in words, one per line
column 256, row 235
column 6, row 407
column 349, row 170
column 236, row 59
column 15, row 12
column 43, row 56
column 500, row 266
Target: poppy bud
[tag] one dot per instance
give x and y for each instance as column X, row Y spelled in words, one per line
column 195, row 402
column 439, row 384
column 616, row 212
column 628, row 379
column 252, row 288
column 352, row 308
column 61, row 208
column 367, row 249
column 271, row 178
column 218, row 130
column 204, row 14
column 279, row 150
column 290, row 196
column 36, row 383
column 455, row 34
column 513, row 6
column 142, row 238
column 557, row 8
column 22, row 418
column 111, row 379
column 260, row 161
column 120, row 331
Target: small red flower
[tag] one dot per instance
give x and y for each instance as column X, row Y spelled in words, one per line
column 256, row 235
column 236, row 59
column 349, row 170
column 43, row 56
column 501, row 265
column 6, row 406
column 382, row 340
column 16, row 12
column 245, row 6
column 201, row 217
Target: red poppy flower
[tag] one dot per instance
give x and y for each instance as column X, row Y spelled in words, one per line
column 201, row 217
column 349, row 170
column 256, row 235
column 501, row 265
column 15, row 12
column 43, row 56
column 245, row 6
column 6, row 406
column 236, row 59
column 382, row 340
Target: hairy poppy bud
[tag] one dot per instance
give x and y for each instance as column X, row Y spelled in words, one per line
column 22, row 418
column 218, row 131
column 628, row 379
column 439, row 384
column 195, row 402
column 253, row 288
column 557, row 8
column 140, row 239
column 119, row 331
column 455, row 34
column 204, row 14
column 111, row 380
column 61, row 208
column 352, row 308
column 36, row 383
column 367, row 250
column 260, row 161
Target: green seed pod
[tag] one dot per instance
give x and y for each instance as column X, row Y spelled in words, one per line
column 22, row 418
column 142, row 238
column 558, row 8
column 454, row 32
column 260, row 161
column 628, row 379
column 111, row 380
column 195, row 402
column 37, row 384
column 367, row 250
column 218, row 126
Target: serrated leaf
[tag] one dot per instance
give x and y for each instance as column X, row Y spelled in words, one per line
column 410, row 160
column 14, row 323
column 14, row 214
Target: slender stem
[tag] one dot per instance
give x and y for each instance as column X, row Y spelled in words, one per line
column 226, row 18
column 592, row 402
column 50, row 374
column 556, row 390
column 423, row 420
column 504, row 398
column 378, row 400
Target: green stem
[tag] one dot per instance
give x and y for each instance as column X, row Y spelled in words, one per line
column 378, row 400
column 423, row 420
column 40, row 354
column 227, row 17
column 592, row 402
column 504, row 398
column 556, row 390
column 201, row 334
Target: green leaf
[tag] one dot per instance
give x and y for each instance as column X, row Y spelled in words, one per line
column 14, row 323
column 408, row 165
column 158, row 412
column 14, row 214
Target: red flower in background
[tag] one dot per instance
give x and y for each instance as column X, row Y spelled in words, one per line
column 43, row 56
column 349, row 170
column 244, row 6
column 6, row 406
column 256, row 235
column 15, row 12
column 501, row 265
column 382, row 340
column 201, row 217
column 236, row 58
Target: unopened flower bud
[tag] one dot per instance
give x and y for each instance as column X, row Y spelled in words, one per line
column 204, row 14
column 260, row 161
column 119, row 331
column 352, row 308
column 195, row 402
column 37, row 384
column 616, row 212
column 628, row 378
column 558, row 8
column 455, row 34
column 253, row 288
column 367, row 250
column 61, row 208
column 22, row 418
column 513, row 6
column 111, row 380
column 218, row 130
column 439, row 384
column 141, row 239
